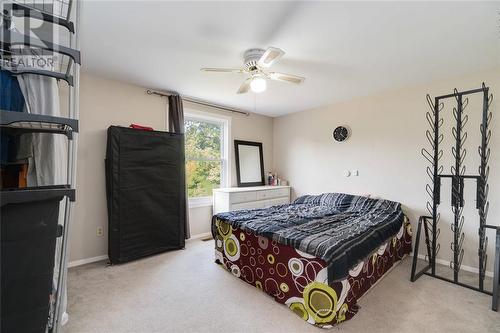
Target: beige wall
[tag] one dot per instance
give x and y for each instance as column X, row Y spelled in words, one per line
column 388, row 131
column 105, row 102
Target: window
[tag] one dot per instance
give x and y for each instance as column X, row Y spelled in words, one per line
column 206, row 157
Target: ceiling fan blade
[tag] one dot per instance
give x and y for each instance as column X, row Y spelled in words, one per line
column 222, row 70
column 270, row 56
column 286, row 77
column 245, row 86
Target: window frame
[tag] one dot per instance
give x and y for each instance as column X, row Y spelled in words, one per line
column 193, row 115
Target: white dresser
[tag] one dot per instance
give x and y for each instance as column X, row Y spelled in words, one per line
column 235, row 198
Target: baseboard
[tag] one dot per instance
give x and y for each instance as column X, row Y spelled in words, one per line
column 86, row 261
column 464, row 267
column 198, row 236
column 105, row 257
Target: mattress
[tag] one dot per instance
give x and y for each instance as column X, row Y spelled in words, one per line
column 300, row 280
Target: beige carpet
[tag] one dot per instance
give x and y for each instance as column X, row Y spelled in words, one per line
column 185, row 291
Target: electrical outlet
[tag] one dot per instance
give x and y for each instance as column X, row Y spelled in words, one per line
column 100, row 232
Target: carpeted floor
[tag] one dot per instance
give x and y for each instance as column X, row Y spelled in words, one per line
column 185, row 291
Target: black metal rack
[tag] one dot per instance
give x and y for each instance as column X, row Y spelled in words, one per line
column 14, row 46
column 38, row 9
column 22, row 122
column 430, row 223
column 28, row 194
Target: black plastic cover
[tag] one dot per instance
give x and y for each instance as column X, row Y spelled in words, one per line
column 146, row 194
column 28, row 239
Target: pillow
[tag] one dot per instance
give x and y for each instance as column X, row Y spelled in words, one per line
column 343, row 201
column 327, row 199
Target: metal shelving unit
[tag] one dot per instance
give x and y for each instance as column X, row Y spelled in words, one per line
column 14, row 44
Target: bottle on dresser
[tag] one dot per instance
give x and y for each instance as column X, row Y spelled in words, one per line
column 270, row 178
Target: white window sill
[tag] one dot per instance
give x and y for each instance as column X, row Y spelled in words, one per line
column 200, row 202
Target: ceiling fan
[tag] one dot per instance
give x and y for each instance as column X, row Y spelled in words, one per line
column 256, row 63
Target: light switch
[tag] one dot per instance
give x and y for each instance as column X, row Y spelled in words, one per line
column 347, row 173
column 355, row 172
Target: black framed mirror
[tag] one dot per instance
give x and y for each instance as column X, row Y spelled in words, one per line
column 249, row 163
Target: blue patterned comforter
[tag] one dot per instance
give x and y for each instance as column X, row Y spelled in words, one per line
column 341, row 229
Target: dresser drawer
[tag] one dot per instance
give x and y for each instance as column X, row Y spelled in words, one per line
column 242, row 197
column 275, row 193
column 248, row 205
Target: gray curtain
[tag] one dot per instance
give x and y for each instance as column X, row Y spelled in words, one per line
column 176, row 125
column 175, row 114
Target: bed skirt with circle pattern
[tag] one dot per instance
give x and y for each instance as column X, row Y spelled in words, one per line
column 300, row 280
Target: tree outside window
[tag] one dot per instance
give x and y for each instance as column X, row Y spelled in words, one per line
column 204, row 156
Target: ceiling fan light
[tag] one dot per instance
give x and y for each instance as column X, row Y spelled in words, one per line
column 258, row 85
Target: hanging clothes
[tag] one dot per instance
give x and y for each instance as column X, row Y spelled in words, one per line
column 11, row 96
column 49, row 161
column 13, row 147
column 48, row 164
column 11, row 99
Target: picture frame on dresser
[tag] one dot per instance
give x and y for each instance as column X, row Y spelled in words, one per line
column 249, row 163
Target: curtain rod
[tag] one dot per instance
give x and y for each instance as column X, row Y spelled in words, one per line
column 197, row 101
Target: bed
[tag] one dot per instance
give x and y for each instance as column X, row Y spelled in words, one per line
column 317, row 255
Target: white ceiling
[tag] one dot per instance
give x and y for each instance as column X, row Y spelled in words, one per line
column 344, row 49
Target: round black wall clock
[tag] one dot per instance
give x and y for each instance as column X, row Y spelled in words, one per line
column 341, row 133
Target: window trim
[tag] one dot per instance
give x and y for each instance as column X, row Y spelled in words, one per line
column 197, row 202
column 189, row 114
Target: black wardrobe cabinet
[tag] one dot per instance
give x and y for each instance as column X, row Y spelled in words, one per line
column 146, row 193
